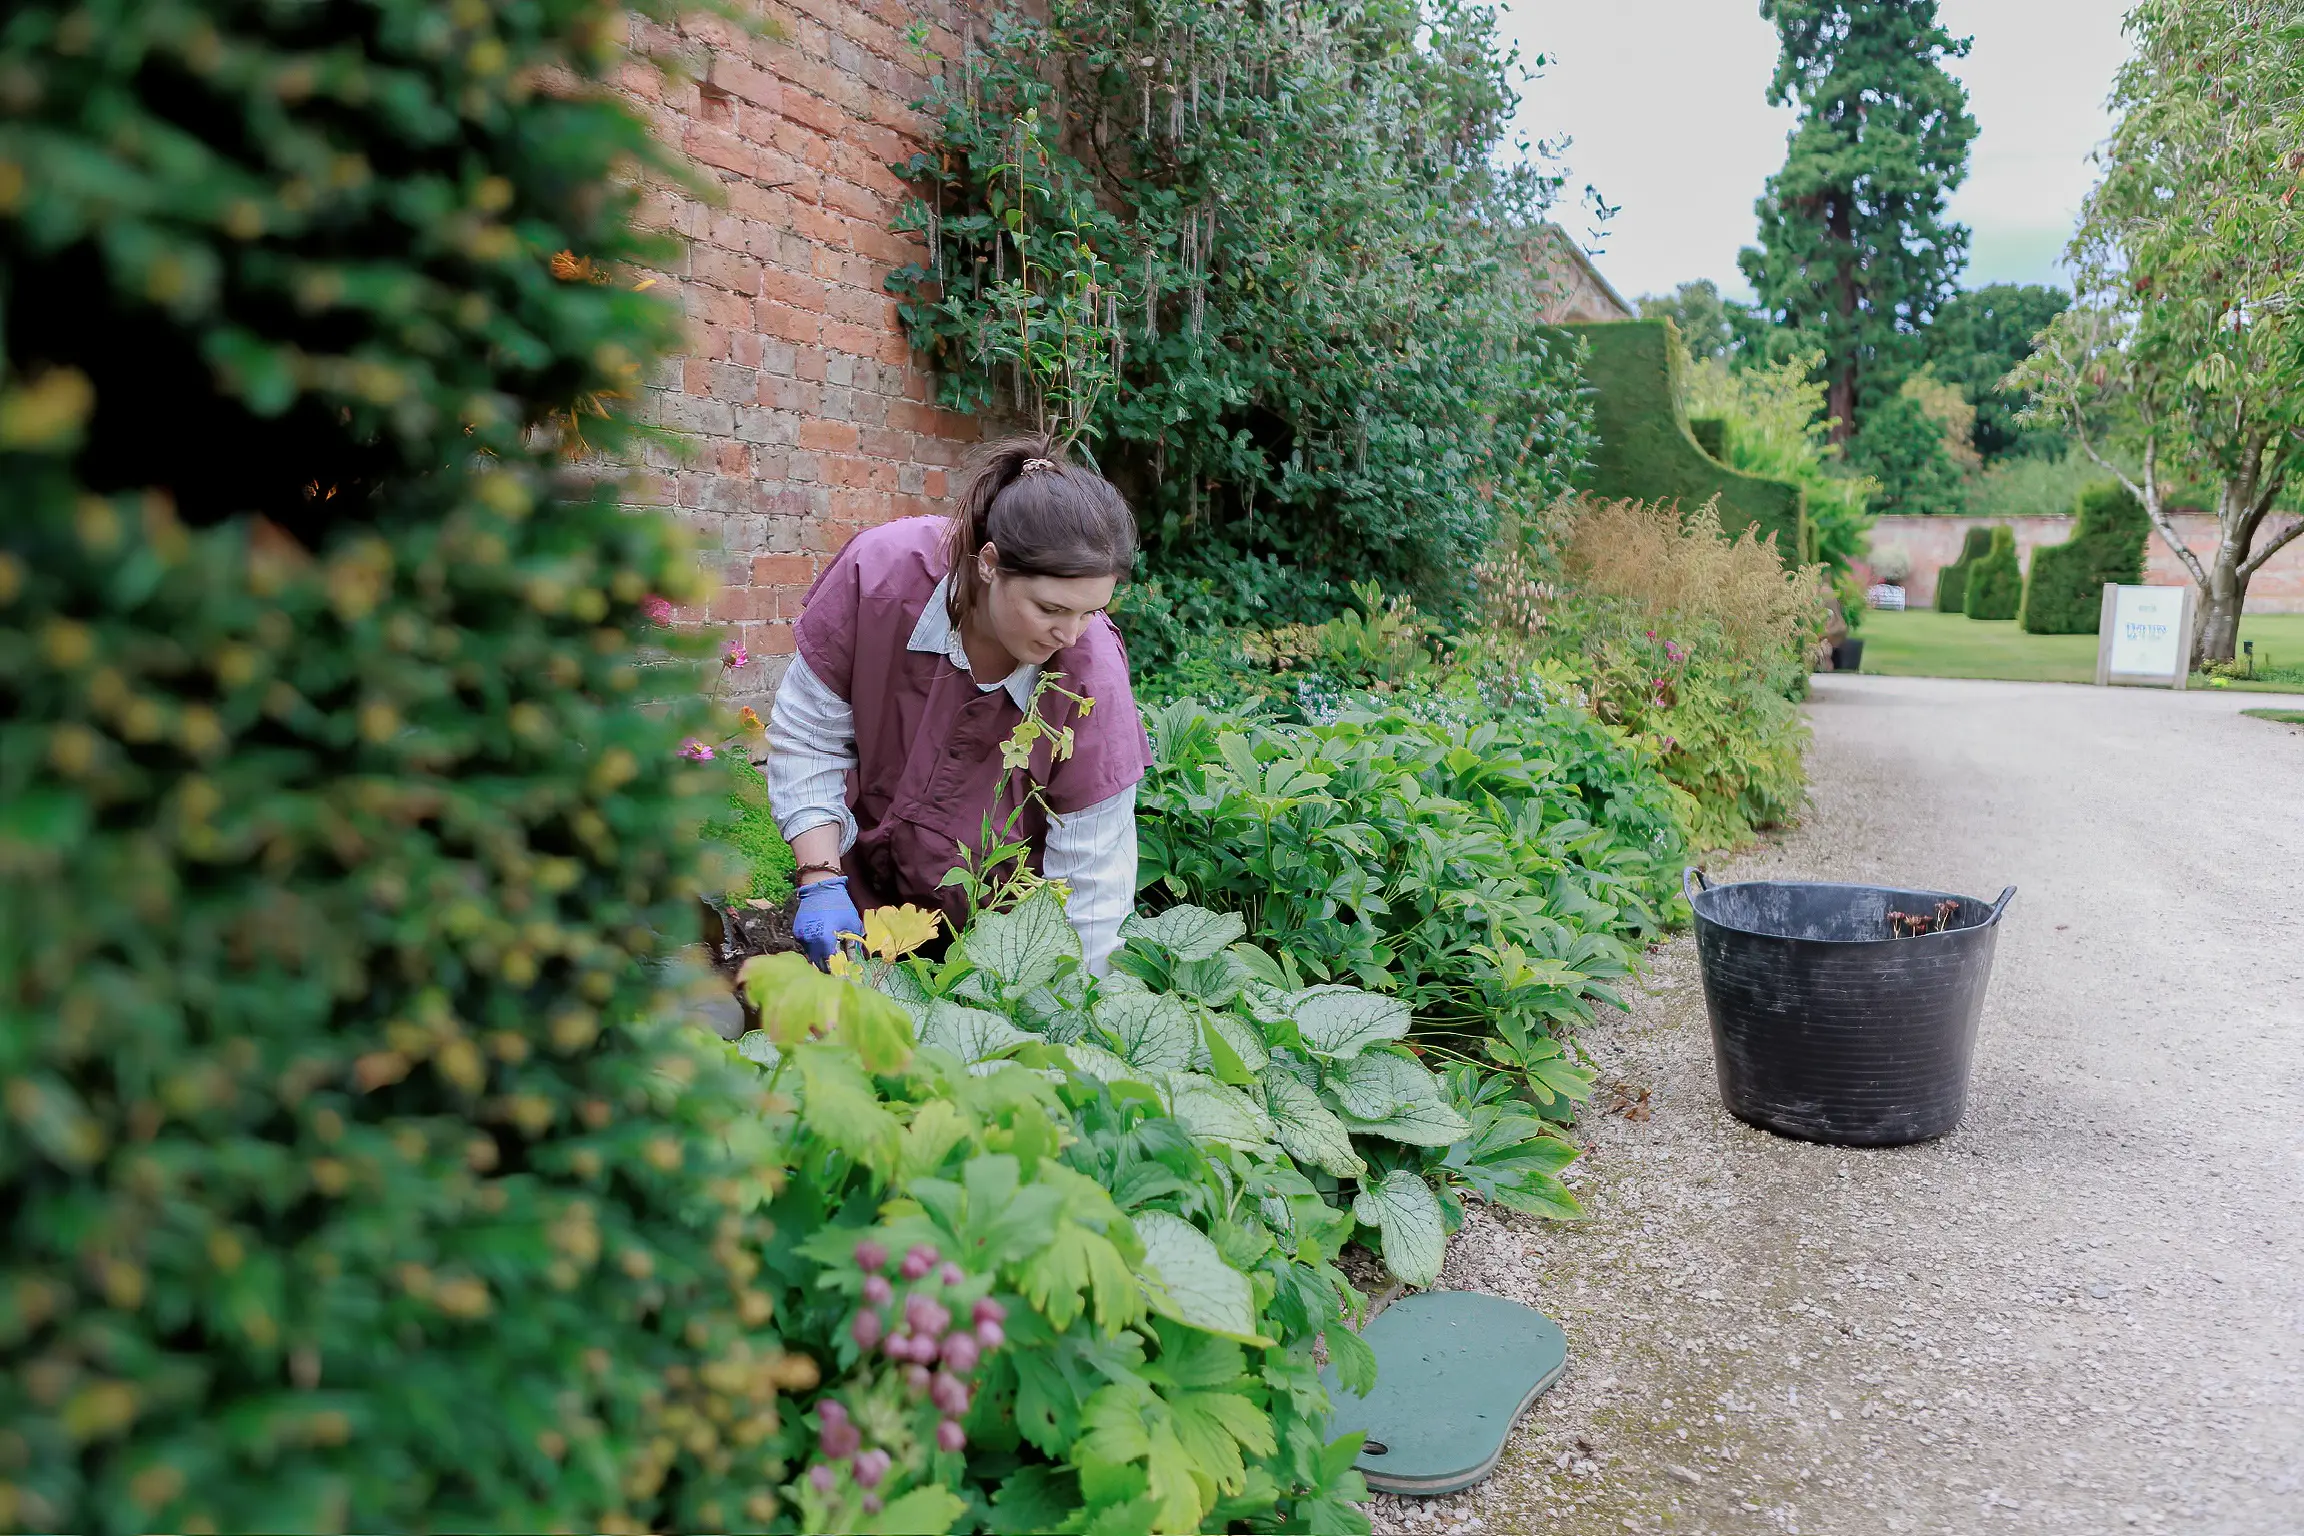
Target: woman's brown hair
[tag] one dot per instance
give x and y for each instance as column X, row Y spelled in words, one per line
column 1044, row 516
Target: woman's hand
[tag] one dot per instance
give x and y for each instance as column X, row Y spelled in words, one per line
column 826, row 912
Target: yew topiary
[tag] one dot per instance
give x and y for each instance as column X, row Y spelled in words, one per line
column 1952, row 580
column 2064, row 594
column 347, row 1184
column 1995, row 584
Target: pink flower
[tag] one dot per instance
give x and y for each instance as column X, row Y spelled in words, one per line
column 866, row 1329
column 949, row 1393
column 871, row 1256
column 950, row 1436
column 836, row 1437
column 925, row 1316
column 657, row 609
column 918, row 1260
column 991, row 1335
column 734, row 655
column 1674, row 652
column 824, row 1479
column 878, row 1291
column 871, row 1466
column 989, row 1311
column 695, row 751
column 960, row 1351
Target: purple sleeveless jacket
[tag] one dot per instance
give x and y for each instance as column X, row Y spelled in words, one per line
column 928, row 739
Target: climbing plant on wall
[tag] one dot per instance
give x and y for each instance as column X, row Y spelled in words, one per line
column 1265, row 264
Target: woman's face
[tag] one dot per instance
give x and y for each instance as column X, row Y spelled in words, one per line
column 1034, row 617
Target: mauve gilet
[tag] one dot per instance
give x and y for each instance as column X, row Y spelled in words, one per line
column 928, row 739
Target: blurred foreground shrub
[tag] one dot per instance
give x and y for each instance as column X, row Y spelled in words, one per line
column 346, row 1185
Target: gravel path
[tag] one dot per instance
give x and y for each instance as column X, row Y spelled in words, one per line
column 2084, row 1310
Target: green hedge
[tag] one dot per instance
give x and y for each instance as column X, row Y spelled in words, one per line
column 349, row 1186
column 1995, row 586
column 1952, row 580
column 1647, row 451
column 2064, row 594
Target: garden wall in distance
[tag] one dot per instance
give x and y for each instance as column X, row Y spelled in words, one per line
column 1934, row 542
column 805, row 412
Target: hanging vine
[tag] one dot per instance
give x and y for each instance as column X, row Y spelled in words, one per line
column 1267, row 264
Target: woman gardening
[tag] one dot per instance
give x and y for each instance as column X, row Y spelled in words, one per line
column 919, row 650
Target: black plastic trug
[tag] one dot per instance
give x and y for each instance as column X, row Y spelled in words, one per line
column 1826, row 1028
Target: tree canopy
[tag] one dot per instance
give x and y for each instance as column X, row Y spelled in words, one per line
column 1704, row 318
column 1978, row 336
column 1855, row 252
column 2186, row 346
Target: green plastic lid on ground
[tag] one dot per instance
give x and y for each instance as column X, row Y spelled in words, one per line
column 1454, row 1372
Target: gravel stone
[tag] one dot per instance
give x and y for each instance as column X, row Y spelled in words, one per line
column 2084, row 1309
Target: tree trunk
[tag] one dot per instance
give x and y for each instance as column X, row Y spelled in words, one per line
column 2216, row 636
column 1840, row 397
column 1840, row 404
column 2242, row 504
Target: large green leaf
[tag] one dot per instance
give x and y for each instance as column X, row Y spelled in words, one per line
column 972, row 1034
column 1024, row 948
column 844, row 1108
column 1401, row 1206
column 1186, row 933
column 1305, row 1127
column 1217, row 1113
column 1188, row 1280
column 1214, row 981
column 1432, row 1124
column 1341, row 1021
column 795, row 1001
column 1101, row 1064
column 1058, row 1012
column 1230, row 1048
column 925, row 1511
column 1151, row 1031
column 1375, row 1083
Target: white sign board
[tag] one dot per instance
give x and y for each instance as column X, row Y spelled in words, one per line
column 2145, row 636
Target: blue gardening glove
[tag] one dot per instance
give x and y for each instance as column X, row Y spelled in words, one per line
column 826, row 912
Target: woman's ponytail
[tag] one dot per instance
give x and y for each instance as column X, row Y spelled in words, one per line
column 1045, row 517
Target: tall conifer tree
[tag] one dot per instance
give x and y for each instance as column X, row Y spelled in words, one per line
column 1855, row 252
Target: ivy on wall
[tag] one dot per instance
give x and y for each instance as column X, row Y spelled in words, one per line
column 1265, row 265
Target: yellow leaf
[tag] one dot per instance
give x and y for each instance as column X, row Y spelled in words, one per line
column 890, row 932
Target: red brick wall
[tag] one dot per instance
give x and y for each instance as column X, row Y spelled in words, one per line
column 1934, row 542
column 804, row 411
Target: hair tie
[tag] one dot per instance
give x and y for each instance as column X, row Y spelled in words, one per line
column 1035, row 466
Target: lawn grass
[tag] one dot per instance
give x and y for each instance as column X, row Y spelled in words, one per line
column 1919, row 643
column 2276, row 716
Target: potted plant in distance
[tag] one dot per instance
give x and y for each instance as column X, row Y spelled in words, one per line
column 1891, row 568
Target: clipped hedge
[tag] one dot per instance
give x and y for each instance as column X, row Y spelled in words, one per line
column 1952, row 580
column 348, row 1187
column 2064, row 594
column 1995, row 585
column 1647, row 451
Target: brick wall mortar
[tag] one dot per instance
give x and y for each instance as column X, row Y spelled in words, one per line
column 803, row 413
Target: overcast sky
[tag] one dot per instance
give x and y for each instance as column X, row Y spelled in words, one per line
column 1666, row 103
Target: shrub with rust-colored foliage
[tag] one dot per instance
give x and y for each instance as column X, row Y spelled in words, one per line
column 1698, row 643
